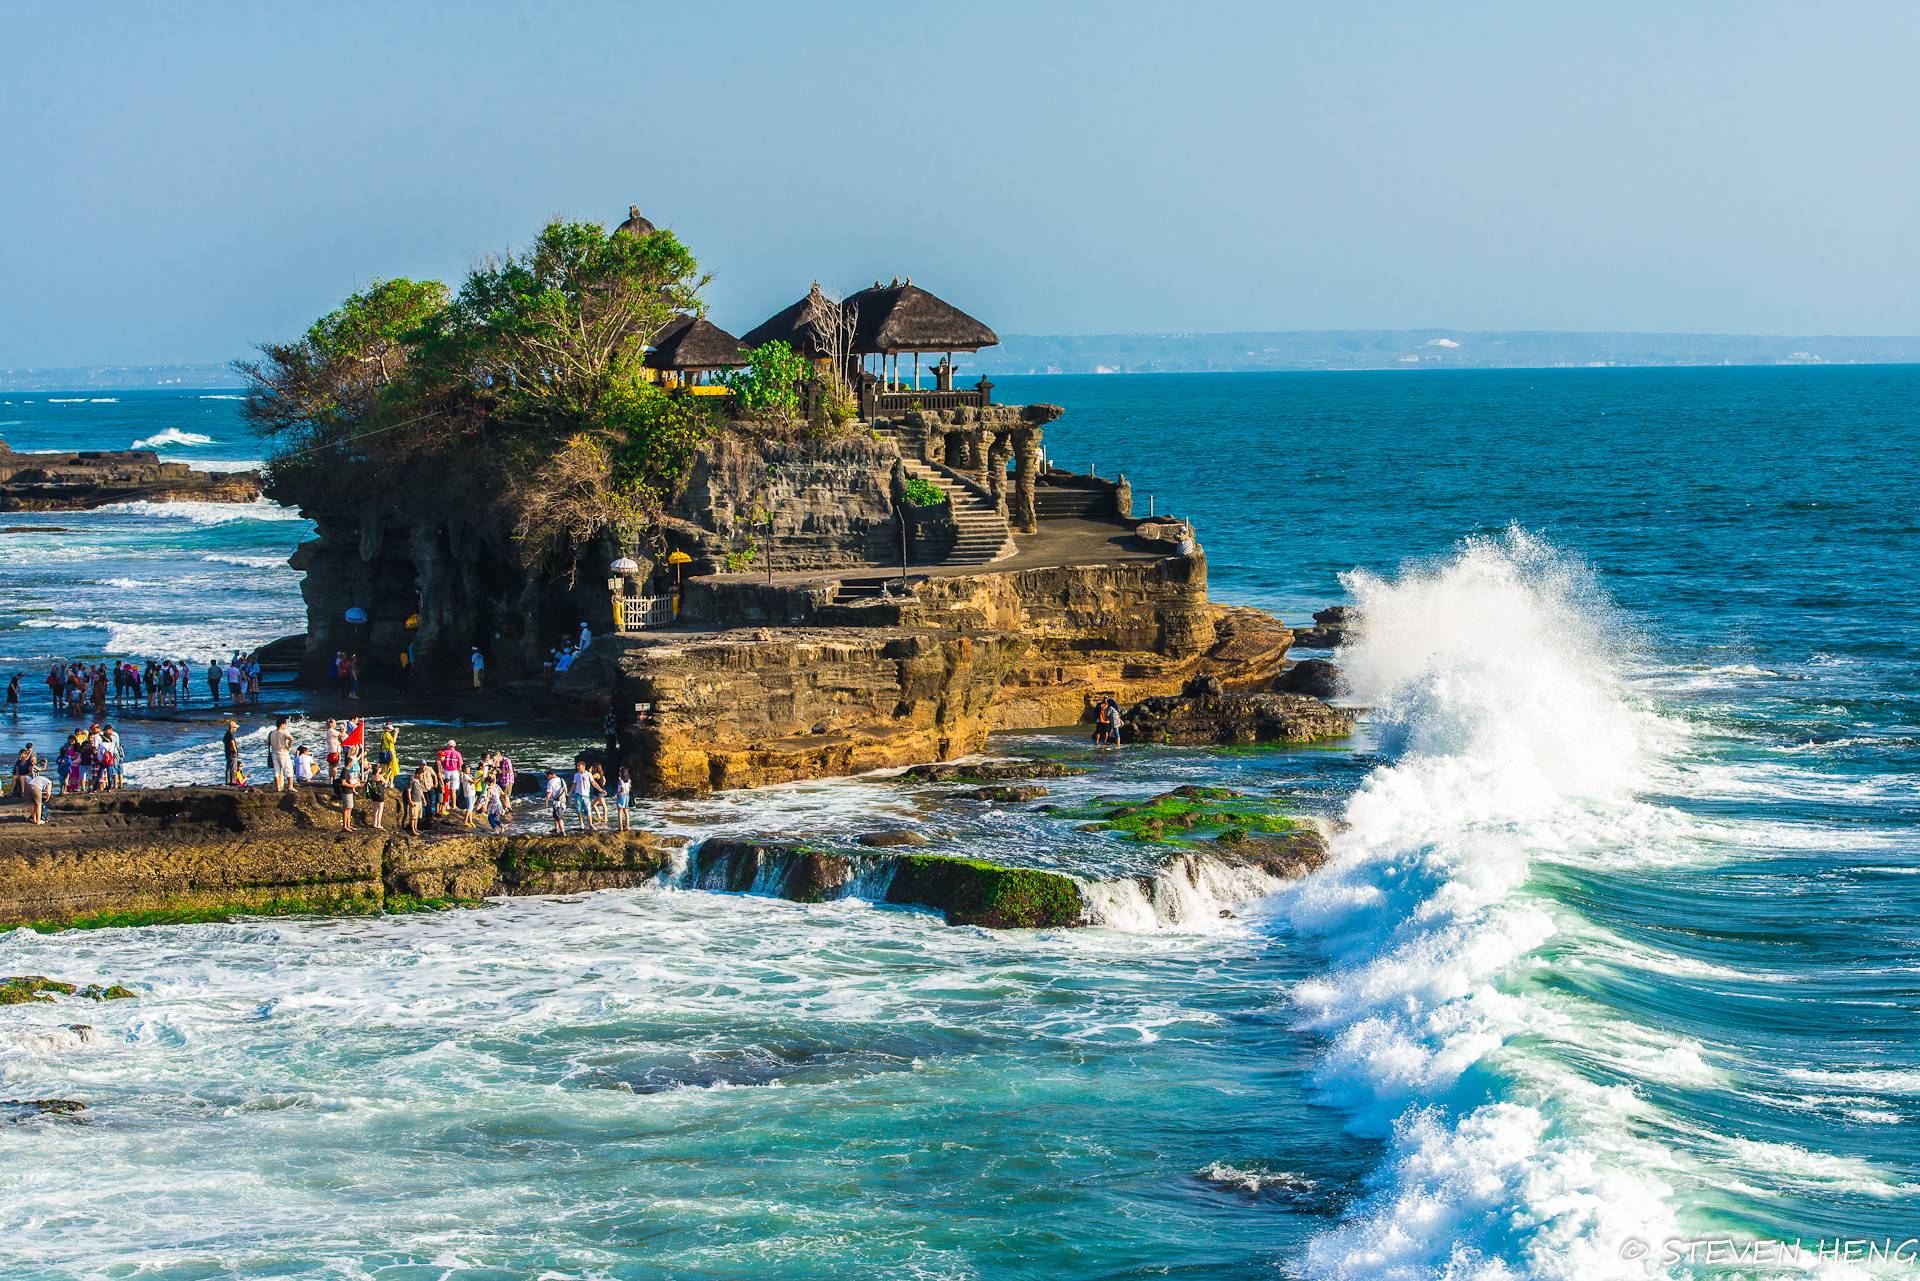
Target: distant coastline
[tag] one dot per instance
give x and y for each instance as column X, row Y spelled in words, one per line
column 1237, row 352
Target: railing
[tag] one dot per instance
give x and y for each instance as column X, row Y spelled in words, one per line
column 875, row 403
column 640, row 612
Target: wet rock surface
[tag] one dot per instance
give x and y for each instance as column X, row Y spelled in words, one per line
column 93, row 478
column 1331, row 628
column 1315, row 677
column 1205, row 713
column 149, row 856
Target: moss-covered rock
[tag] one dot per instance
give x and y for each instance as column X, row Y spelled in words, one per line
column 1190, row 814
column 971, row 892
column 1006, row 794
column 22, row 988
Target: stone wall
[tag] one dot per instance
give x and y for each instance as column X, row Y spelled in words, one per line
column 749, row 708
column 924, row 678
column 831, row 501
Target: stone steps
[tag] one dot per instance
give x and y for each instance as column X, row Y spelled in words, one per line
column 1051, row 502
column 983, row 535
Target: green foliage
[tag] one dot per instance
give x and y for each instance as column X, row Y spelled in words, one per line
column 924, row 493
column 770, row 384
column 525, row 388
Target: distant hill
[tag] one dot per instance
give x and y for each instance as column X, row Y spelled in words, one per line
column 1236, row 353
column 118, row 378
column 1422, row 349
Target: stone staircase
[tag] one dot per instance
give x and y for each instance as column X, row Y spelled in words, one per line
column 983, row 533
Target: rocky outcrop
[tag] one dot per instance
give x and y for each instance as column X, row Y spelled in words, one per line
column 1205, row 713
column 94, row 478
column 201, row 853
column 747, row 708
column 964, row 891
column 1316, row 677
column 1331, row 627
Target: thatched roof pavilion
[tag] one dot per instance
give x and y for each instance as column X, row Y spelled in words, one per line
column 905, row 317
column 792, row 326
column 694, row 342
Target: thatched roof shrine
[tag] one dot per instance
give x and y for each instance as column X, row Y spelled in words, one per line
column 693, row 342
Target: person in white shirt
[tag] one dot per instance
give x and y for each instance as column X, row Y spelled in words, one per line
column 302, row 765
column 557, row 802
column 280, row 754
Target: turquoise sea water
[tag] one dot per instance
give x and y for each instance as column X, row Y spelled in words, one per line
column 1617, row 947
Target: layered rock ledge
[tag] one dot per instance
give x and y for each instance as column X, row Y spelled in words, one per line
column 94, row 478
column 197, row 853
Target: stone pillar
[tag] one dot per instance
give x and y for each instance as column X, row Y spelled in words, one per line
column 984, row 443
column 997, row 470
column 1026, row 470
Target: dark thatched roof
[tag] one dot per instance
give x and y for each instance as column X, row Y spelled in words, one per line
column 906, row 317
column 790, row 325
column 692, row 342
column 635, row 225
column 893, row 317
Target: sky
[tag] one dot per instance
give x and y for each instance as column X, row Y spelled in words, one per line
column 181, row 181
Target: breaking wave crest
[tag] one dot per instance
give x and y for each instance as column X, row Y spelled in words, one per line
column 1507, row 732
column 173, row 436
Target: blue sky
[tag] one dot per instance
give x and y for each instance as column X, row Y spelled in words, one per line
column 184, row 180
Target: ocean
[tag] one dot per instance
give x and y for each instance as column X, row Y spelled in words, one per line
column 1612, row 973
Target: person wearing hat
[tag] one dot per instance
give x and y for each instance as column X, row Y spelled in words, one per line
column 450, row 763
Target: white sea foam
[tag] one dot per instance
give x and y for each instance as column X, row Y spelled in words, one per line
column 221, row 396
column 173, row 436
column 1193, row 892
column 207, row 513
column 1509, row 735
column 216, row 464
column 246, row 561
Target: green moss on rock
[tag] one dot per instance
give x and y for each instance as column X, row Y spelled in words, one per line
column 22, row 988
column 972, row 892
column 1187, row 815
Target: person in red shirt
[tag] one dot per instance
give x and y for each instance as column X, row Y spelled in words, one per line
column 450, row 763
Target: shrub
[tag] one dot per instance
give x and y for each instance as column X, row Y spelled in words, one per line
column 924, row 493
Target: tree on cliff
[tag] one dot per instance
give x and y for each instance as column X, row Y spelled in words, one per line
column 524, row 393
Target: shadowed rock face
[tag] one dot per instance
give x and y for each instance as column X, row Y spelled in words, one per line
column 1205, row 713
column 210, row 850
column 94, row 478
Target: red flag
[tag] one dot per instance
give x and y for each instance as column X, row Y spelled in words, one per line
column 355, row 736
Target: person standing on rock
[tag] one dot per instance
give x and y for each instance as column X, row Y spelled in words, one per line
column 377, row 786
column 623, row 800
column 583, row 794
column 333, row 750
column 213, row 681
column 416, row 798
column 231, row 742
column 450, row 763
column 1114, row 721
column 37, row 785
column 557, row 802
column 346, row 785
column 479, row 662
column 280, row 755
column 13, row 696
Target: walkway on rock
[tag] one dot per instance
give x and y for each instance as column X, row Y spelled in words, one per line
column 984, row 536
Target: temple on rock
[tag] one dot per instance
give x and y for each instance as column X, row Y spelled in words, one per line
column 818, row 596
